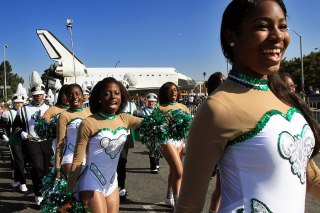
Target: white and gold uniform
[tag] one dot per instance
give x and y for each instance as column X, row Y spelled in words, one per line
column 101, row 138
column 262, row 147
column 67, row 128
column 51, row 113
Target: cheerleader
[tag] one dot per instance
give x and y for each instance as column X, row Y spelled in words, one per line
column 101, row 138
column 67, row 128
column 53, row 112
column 172, row 150
column 260, row 134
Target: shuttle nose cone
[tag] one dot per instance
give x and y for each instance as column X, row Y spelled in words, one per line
column 186, row 84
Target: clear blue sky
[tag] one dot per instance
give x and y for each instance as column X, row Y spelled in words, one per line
column 139, row 33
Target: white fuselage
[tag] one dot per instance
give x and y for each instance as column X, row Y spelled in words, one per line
column 136, row 78
column 72, row 70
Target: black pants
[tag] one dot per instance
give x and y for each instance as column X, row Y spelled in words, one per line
column 122, row 164
column 40, row 154
column 19, row 153
column 154, row 162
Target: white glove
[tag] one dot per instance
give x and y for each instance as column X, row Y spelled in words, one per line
column 5, row 138
column 24, row 135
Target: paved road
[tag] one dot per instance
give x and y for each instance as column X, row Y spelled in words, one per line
column 146, row 191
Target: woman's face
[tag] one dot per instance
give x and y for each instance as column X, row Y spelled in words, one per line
column 262, row 40
column 290, row 84
column 173, row 93
column 75, row 98
column 110, row 98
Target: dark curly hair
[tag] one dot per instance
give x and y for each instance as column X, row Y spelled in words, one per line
column 164, row 91
column 97, row 90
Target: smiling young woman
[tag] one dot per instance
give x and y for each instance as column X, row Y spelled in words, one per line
column 101, row 138
column 67, row 129
column 260, row 135
column 172, row 150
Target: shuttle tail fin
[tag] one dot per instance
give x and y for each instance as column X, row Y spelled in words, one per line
column 68, row 65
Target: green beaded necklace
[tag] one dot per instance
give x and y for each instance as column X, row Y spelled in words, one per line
column 247, row 81
column 107, row 116
column 173, row 103
column 76, row 110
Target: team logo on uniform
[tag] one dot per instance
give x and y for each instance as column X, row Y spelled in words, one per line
column 258, row 206
column 113, row 146
column 297, row 149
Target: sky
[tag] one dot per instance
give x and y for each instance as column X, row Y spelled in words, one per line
column 138, row 33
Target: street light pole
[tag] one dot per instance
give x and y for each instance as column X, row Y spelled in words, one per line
column 117, row 63
column 5, row 71
column 301, row 57
column 69, row 27
column 204, row 82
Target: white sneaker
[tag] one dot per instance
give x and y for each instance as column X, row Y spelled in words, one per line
column 15, row 184
column 169, row 201
column 23, row 188
column 38, row 200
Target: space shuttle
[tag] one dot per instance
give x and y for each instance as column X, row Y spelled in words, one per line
column 70, row 69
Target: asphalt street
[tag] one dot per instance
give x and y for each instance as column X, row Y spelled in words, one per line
column 146, row 191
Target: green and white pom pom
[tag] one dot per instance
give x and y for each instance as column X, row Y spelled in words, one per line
column 179, row 124
column 158, row 128
column 46, row 130
column 154, row 130
column 54, row 195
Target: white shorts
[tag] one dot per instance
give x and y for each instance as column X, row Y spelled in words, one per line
column 176, row 143
column 88, row 181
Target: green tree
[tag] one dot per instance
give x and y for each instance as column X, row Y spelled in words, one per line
column 49, row 76
column 46, row 77
column 12, row 80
